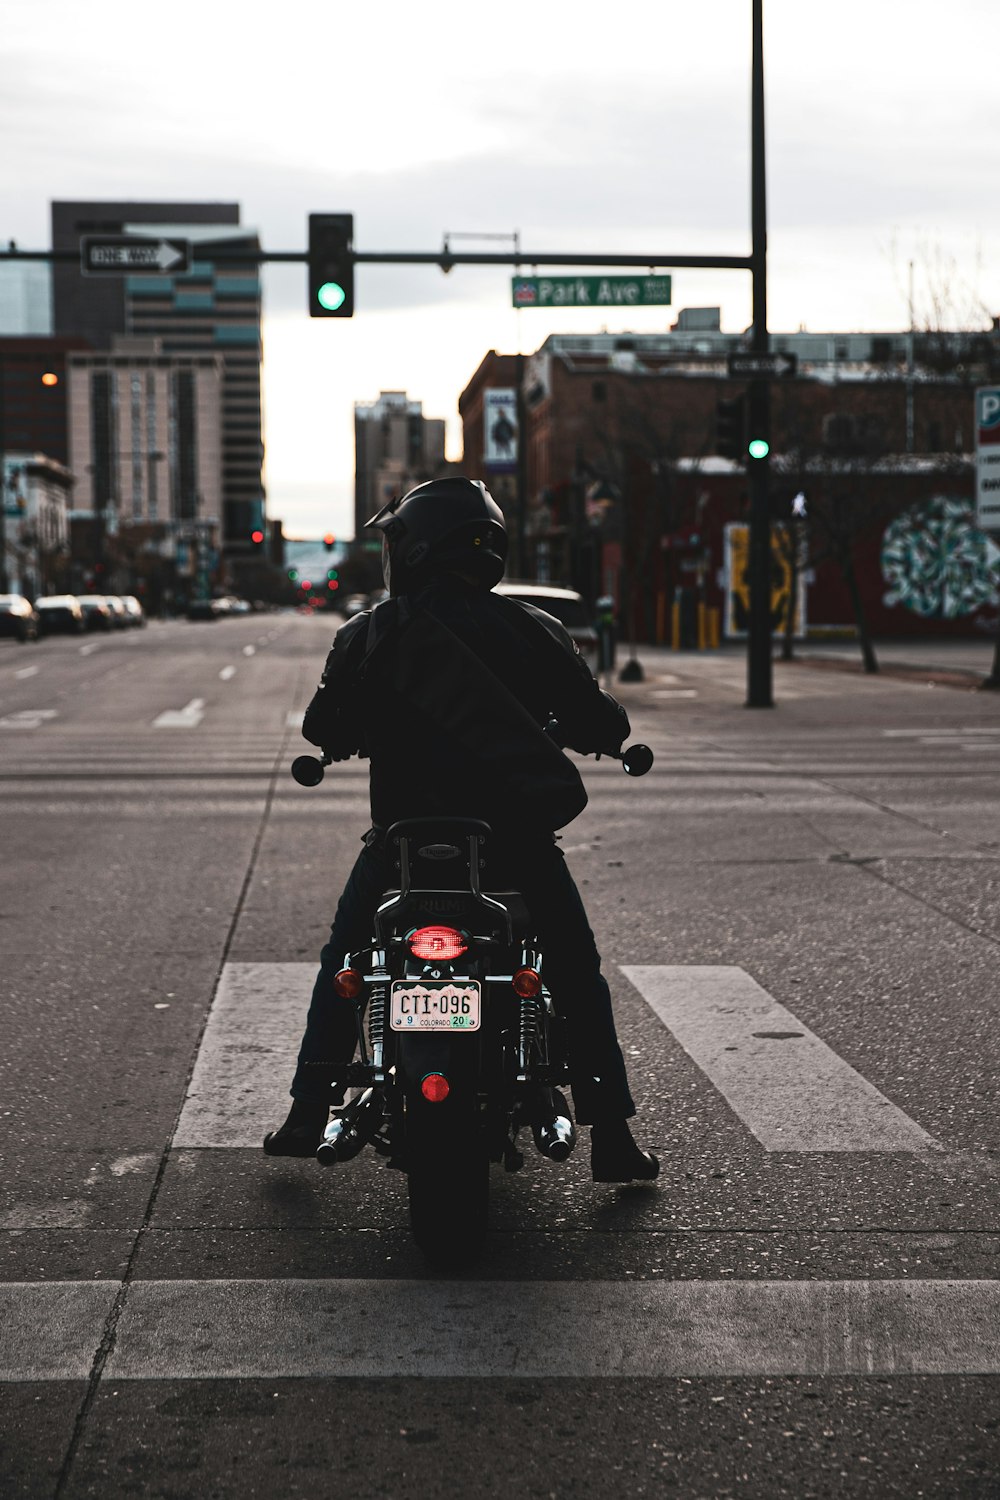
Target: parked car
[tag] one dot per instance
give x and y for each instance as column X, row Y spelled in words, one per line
column 60, row 612
column 134, row 610
column 119, row 614
column 18, row 618
column 96, row 611
column 203, row 609
column 566, row 605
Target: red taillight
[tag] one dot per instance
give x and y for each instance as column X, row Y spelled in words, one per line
column 444, row 943
column 527, row 983
column 348, row 984
column 435, row 1087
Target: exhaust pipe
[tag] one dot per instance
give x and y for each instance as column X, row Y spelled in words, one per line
column 350, row 1130
column 556, row 1138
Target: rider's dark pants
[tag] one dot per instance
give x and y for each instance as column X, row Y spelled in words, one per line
column 572, row 973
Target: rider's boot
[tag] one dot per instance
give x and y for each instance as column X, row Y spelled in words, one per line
column 302, row 1131
column 615, row 1157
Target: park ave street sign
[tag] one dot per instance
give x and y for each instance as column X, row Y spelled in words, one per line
column 133, row 254
column 591, row 291
column 762, row 366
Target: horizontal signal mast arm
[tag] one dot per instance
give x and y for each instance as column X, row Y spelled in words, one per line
column 443, row 258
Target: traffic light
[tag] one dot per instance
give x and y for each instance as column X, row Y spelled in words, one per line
column 329, row 541
column 331, row 265
column 758, row 447
column 293, row 574
column 731, row 428
column 257, row 537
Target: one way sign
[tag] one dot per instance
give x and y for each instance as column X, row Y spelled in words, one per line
column 762, row 366
column 131, row 254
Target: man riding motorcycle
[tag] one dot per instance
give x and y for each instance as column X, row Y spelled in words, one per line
column 447, row 687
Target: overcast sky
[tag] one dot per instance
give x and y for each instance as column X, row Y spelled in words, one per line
column 623, row 128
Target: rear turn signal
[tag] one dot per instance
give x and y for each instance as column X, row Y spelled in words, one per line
column 443, row 943
column 527, row 983
column 435, row 1087
column 348, row 984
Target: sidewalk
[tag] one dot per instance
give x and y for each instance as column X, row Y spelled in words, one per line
column 962, row 664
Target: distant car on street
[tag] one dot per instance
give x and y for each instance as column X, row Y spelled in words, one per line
column 96, row 611
column 134, row 610
column 203, row 609
column 60, row 612
column 119, row 614
column 566, row 605
column 354, row 604
column 18, row 618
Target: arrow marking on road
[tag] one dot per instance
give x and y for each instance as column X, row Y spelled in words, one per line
column 188, row 717
column 26, row 672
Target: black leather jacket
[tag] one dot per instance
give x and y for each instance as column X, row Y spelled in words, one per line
column 417, row 767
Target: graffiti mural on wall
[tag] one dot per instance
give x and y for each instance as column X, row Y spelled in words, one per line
column 938, row 563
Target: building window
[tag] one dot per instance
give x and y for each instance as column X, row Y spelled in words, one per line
column 151, row 442
column 138, row 447
column 186, row 470
column 103, row 444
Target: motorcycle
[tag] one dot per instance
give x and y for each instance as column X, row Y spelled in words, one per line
column 460, row 1046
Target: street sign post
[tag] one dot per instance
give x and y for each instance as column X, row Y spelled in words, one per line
column 762, row 366
column 133, row 255
column 591, row 291
column 988, row 458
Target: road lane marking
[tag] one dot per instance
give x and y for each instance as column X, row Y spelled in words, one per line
column 350, row 1328
column 239, row 1088
column 26, row 671
column 188, row 717
column 249, row 650
column 28, row 718
column 227, row 673
column 786, row 1085
column 675, row 693
column 87, row 650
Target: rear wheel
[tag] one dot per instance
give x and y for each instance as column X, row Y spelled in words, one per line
column 447, row 1170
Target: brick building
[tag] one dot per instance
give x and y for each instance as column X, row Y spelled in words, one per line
column 623, row 492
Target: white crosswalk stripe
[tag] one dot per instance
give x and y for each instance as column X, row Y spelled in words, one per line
column 786, row 1085
column 784, row 1082
column 245, row 1062
column 229, row 1329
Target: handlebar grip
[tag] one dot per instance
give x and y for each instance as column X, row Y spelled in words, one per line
column 307, row 770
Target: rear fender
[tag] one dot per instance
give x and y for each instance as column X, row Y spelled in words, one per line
column 457, row 1057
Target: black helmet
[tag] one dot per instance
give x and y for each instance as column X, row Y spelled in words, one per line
column 443, row 525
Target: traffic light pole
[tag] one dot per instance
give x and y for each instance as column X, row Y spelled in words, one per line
column 759, row 672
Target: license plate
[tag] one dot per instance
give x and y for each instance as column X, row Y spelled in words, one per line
column 434, row 1005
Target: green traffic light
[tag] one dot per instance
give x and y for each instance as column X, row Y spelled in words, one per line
column 759, row 448
column 331, row 295
column 293, row 573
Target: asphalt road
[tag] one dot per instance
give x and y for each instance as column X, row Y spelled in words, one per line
column 806, row 1302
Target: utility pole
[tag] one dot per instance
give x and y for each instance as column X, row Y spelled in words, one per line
column 759, row 671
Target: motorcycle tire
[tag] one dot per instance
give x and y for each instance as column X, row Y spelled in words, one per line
column 448, row 1182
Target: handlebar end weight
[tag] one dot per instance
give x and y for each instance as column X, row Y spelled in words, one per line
column 307, row 770
column 637, row 760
